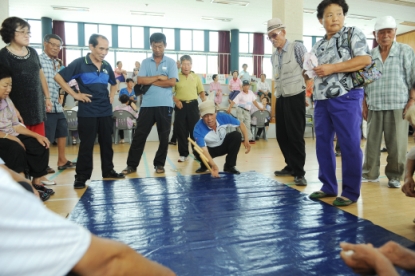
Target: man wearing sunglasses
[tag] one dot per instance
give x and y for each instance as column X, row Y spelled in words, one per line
column 287, row 63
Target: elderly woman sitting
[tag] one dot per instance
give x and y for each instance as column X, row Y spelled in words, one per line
column 21, row 149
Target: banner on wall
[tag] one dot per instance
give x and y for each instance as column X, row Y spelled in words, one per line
column 222, row 78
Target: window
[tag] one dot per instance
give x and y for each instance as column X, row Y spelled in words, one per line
column 106, row 30
column 155, row 30
column 36, row 30
column 213, row 41
column 170, row 38
column 267, row 46
column 267, row 67
column 124, row 37
column 308, row 42
column 137, row 37
column 71, row 33
column 199, row 64
column 89, row 30
column 212, row 64
column 246, row 42
column 110, row 58
column 127, row 59
column 185, row 40
column 71, row 55
column 199, row 41
column 173, row 56
column 245, row 60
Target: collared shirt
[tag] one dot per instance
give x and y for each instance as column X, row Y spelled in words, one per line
column 236, row 84
column 50, row 68
column 188, row 88
column 334, row 51
column 91, row 81
column 8, row 117
column 125, row 91
column 215, row 86
column 391, row 91
column 156, row 95
column 245, row 100
column 207, row 137
column 244, row 75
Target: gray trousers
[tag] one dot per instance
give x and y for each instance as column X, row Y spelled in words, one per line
column 244, row 116
column 395, row 129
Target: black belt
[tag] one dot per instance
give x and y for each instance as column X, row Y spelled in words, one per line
column 244, row 108
column 189, row 101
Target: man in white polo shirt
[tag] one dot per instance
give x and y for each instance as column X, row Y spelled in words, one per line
column 210, row 134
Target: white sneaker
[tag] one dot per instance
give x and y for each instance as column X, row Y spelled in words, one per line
column 393, row 183
column 364, row 180
column 182, row 158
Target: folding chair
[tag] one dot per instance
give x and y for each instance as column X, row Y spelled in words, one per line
column 309, row 122
column 121, row 123
column 72, row 119
column 261, row 117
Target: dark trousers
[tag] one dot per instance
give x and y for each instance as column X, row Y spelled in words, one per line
column 290, row 127
column 184, row 123
column 88, row 128
column 343, row 116
column 230, row 148
column 173, row 136
column 161, row 115
column 33, row 160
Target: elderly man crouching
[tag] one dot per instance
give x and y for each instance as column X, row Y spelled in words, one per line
column 210, row 134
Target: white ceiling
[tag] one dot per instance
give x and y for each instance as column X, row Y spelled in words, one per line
column 188, row 13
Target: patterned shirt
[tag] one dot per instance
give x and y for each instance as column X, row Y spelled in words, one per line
column 336, row 50
column 50, row 68
column 299, row 51
column 391, row 91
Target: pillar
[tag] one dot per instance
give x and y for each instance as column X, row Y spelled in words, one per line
column 4, row 13
column 234, row 50
column 291, row 14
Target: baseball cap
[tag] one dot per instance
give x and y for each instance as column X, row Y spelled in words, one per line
column 274, row 24
column 207, row 107
column 385, row 22
column 245, row 82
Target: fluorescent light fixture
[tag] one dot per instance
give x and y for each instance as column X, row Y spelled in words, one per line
column 310, row 11
column 143, row 13
column 224, row 19
column 406, row 1
column 66, row 8
column 408, row 23
column 231, row 2
column 357, row 16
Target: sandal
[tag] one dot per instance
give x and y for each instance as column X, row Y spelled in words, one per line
column 128, row 170
column 339, row 201
column 50, row 170
column 159, row 169
column 48, row 182
column 320, row 194
column 43, row 196
column 68, row 164
column 43, row 189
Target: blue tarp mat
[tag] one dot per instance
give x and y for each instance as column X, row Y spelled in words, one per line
column 236, row 225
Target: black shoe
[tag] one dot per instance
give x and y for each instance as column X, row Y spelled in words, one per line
column 384, row 150
column 283, row 172
column 79, row 182
column 202, row 169
column 172, row 143
column 50, row 170
column 113, row 174
column 231, row 170
column 300, row 181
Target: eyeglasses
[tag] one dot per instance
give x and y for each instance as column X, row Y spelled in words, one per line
column 273, row 36
column 24, row 33
column 55, row 45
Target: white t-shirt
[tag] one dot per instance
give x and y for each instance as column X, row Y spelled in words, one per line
column 263, row 86
column 34, row 240
column 245, row 100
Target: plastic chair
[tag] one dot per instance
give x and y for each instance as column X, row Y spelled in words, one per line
column 309, row 122
column 261, row 117
column 120, row 123
column 72, row 119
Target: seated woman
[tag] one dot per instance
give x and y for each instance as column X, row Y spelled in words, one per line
column 263, row 87
column 128, row 105
column 215, row 86
column 235, row 86
column 120, row 74
column 22, row 150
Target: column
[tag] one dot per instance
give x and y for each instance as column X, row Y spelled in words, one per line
column 4, row 13
column 46, row 27
column 234, row 50
column 291, row 14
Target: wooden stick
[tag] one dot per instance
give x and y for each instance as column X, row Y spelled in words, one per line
column 199, row 150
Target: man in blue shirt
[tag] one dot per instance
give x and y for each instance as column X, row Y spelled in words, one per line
column 94, row 109
column 160, row 72
column 210, row 134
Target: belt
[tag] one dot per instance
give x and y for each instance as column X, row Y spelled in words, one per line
column 244, row 108
column 189, row 101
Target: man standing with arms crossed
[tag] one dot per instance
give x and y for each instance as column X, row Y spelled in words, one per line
column 187, row 112
column 93, row 74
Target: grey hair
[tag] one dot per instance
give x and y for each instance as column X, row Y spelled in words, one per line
column 185, row 57
column 49, row 36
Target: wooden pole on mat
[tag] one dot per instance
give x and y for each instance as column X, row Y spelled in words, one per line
column 200, row 151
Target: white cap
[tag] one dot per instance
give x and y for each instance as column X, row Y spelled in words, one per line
column 385, row 22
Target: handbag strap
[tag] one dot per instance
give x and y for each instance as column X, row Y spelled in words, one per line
column 349, row 40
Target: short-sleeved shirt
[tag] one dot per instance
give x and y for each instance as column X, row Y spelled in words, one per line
column 50, row 68
column 207, row 137
column 124, row 91
column 156, row 95
column 264, row 86
column 336, row 50
column 245, row 100
column 93, row 82
column 188, row 87
column 391, row 91
column 8, row 117
column 244, row 75
column 48, row 243
column 215, row 86
column 235, row 84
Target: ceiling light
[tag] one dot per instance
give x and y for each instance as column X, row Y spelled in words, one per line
column 310, row 11
column 231, row 2
column 357, row 16
column 65, row 8
column 217, row 18
column 408, row 23
column 143, row 13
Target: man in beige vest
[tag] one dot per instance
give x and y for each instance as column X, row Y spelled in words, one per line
column 287, row 64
